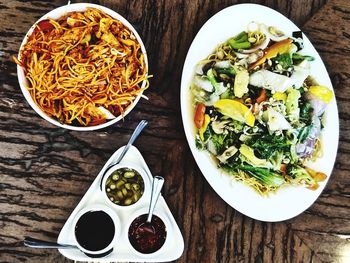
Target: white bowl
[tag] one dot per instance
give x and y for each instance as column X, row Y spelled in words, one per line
column 117, row 227
column 146, row 182
column 55, row 14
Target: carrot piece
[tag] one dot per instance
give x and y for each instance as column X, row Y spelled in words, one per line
column 283, row 168
column 318, row 176
column 262, row 97
column 199, row 115
column 313, row 187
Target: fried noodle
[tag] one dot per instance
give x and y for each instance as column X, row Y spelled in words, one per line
column 80, row 63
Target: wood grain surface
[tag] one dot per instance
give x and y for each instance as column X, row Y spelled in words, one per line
column 45, row 170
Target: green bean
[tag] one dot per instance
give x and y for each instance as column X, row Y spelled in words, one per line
column 128, row 186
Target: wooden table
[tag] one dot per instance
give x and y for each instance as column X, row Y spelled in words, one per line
column 45, row 170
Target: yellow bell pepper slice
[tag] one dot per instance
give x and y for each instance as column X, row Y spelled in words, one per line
column 322, row 92
column 235, row 110
column 202, row 130
column 280, row 96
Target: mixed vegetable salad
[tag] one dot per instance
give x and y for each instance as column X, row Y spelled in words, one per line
column 258, row 111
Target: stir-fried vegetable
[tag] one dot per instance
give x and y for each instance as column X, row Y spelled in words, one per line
column 240, row 41
column 257, row 110
column 199, row 115
column 274, row 50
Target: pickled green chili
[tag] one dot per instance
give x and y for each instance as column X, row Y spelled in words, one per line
column 124, row 186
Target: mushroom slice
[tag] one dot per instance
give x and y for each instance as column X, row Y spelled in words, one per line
column 218, row 126
column 228, row 153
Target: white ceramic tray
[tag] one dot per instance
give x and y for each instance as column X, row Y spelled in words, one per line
column 123, row 251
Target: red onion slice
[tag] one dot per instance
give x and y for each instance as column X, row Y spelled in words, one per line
column 261, row 46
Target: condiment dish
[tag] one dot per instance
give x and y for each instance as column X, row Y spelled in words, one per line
column 168, row 228
column 96, row 228
column 122, row 189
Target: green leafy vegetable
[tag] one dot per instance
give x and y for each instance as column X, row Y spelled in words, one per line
column 297, row 58
column 292, row 104
column 304, row 133
column 266, row 176
column 300, row 175
column 228, row 94
column 211, row 77
column 285, row 60
column 228, row 71
column 266, row 145
column 305, row 112
column 223, row 141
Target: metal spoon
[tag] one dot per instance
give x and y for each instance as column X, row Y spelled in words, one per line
column 132, row 139
column 157, row 185
column 147, row 227
column 37, row 243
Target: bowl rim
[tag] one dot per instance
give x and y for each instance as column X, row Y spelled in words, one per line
column 146, row 183
column 55, row 14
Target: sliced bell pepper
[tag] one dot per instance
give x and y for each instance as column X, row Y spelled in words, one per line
column 202, row 130
column 199, row 115
column 240, row 41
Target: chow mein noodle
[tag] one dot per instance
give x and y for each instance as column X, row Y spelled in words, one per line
column 84, row 68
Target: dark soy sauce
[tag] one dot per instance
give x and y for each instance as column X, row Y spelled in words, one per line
column 94, row 230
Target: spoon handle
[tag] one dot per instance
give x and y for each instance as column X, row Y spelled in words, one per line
column 157, row 185
column 37, row 243
column 142, row 124
column 132, row 139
